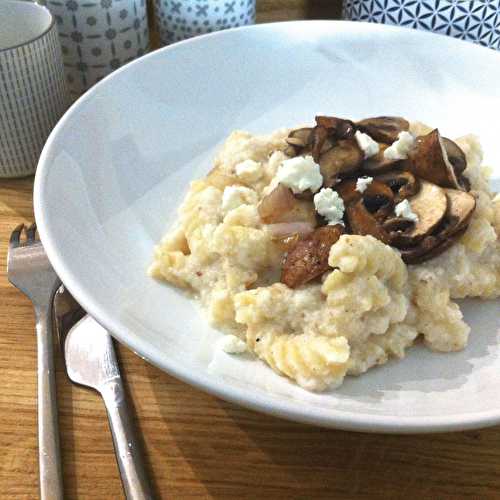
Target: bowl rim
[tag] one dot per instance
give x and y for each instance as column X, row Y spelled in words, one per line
column 293, row 410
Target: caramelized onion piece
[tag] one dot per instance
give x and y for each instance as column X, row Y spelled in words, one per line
column 383, row 128
column 277, row 203
column 309, row 258
column 283, row 229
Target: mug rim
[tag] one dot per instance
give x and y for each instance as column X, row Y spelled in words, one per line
column 37, row 37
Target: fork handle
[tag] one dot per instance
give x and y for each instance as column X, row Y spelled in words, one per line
column 49, row 454
column 127, row 449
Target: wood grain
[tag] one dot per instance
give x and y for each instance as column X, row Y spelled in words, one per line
column 198, row 446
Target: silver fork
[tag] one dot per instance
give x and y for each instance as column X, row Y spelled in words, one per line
column 29, row 270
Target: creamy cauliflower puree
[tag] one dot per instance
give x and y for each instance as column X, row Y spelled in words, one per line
column 368, row 305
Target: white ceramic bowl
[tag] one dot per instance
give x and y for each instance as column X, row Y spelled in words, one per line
column 117, row 166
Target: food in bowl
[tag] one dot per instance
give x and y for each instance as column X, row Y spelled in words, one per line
column 327, row 250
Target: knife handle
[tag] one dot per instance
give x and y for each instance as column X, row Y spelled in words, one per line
column 49, row 453
column 127, row 450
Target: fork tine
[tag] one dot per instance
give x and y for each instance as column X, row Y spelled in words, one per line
column 31, row 233
column 15, row 236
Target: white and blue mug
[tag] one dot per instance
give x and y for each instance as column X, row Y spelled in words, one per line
column 473, row 20
column 180, row 19
column 98, row 36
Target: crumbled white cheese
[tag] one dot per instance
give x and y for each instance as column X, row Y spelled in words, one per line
column 404, row 210
column 299, row 174
column 234, row 196
column 330, row 205
column 232, row 344
column 367, row 144
column 249, row 170
column 399, row 149
column 362, row 183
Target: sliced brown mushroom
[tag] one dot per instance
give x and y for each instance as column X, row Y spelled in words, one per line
column 379, row 164
column 455, row 155
column 395, row 224
column 319, row 137
column 299, row 137
column 402, row 183
column 429, row 247
column 343, row 159
column 364, row 223
column 377, row 197
column 429, row 161
column 461, row 206
column 430, row 205
column 340, row 127
column 309, row 258
column 383, row 128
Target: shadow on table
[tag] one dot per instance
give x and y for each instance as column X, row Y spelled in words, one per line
column 233, row 451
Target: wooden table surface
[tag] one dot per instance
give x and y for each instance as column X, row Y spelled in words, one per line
column 198, row 446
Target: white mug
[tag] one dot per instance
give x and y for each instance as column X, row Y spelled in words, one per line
column 33, row 92
column 98, row 37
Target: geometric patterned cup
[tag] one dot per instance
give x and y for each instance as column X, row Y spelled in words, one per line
column 98, row 36
column 180, row 19
column 473, row 20
column 33, row 92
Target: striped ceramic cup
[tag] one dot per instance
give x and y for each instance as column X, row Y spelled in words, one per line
column 33, row 93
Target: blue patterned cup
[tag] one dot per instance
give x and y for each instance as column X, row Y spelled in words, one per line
column 473, row 20
column 33, row 92
column 98, row 36
column 180, row 19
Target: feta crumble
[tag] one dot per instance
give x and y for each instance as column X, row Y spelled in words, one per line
column 367, row 144
column 330, row 205
column 232, row 344
column 399, row 149
column 299, row 174
column 234, row 196
column 362, row 183
column 404, row 210
column 249, row 170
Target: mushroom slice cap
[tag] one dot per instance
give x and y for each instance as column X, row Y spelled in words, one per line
column 429, row 247
column 429, row 161
column 430, row 205
column 461, row 206
column 343, row 159
column 341, row 128
column 402, row 183
column 299, row 137
column 455, row 155
column 318, row 137
column 309, row 258
column 383, row 128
